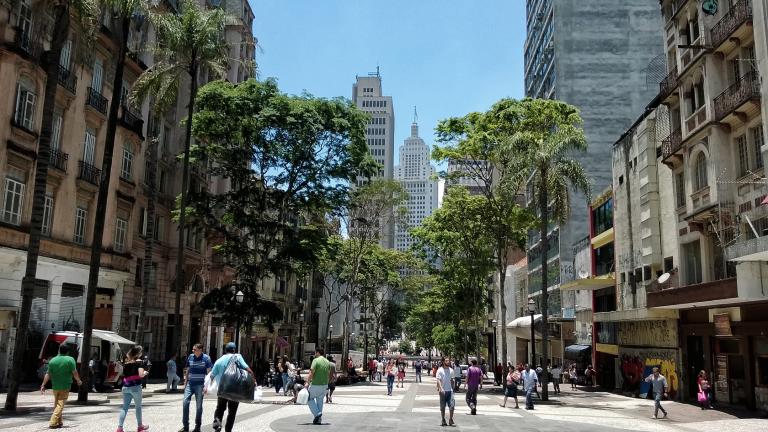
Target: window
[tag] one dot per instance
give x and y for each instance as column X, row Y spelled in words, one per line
column 121, row 228
column 142, row 222
column 14, row 199
column 743, row 155
column 81, row 217
column 89, row 147
column 158, row 228
column 161, row 183
column 25, row 20
column 56, row 133
column 24, row 115
column 680, row 190
column 66, row 54
column 47, row 216
column 127, row 165
column 757, row 143
column 700, row 172
column 98, row 72
column 139, row 272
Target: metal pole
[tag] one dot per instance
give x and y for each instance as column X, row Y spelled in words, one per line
column 533, row 344
column 237, row 334
column 301, row 345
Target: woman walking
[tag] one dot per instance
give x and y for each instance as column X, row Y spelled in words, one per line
column 390, row 376
column 705, row 390
column 400, row 374
column 573, row 376
column 513, row 378
column 278, row 374
column 133, row 372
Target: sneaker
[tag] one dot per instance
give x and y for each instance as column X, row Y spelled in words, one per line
column 142, row 428
column 216, row 425
column 183, row 429
column 451, row 423
column 196, row 429
column 473, row 412
column 119, row 429
column 665, row 415
column 444, row 423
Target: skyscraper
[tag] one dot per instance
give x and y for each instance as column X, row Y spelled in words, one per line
column 380, row 132
column 415, row 174
column 593, row 54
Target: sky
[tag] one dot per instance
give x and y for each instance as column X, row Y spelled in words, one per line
column 446, row 57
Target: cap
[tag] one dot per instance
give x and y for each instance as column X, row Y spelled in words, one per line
column 230, row 346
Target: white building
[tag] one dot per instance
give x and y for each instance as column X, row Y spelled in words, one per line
column 416, row 174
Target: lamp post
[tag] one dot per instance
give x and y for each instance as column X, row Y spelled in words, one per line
column 301, row 339
column 532, row 311
column 495, row 349
column 239, row 299
column 328, row 341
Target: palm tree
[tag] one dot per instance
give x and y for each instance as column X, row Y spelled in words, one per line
column 186, row 42
column 122, row 13
column 550, row 136
column 49, row 62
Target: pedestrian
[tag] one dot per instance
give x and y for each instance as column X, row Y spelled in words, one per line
column 278, row 374
column 659, row 388
column 474, row 382
column 513, row 379
column 371, row 368
column 401, row 374
column 497, row 374
column 289, row 376
column 530, row 380
column 147, row 365
column 317, row 382
column 380, row 369
column 574, row 376
column 589, row 372
column 133, row 374
column 230, row 351
column 61, row 370
column 93, row 371
column 197, row 366
column 445, row 378
column 170, row 373
column 705, row 388
column 298, row 385
column 457, row 375
column 556, row 373
column 390, row 376
column 417, row 368
column 331, row 381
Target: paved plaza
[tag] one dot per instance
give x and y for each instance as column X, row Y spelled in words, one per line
column 366, row 407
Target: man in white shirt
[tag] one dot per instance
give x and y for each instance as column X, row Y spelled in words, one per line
column 530, row 379
column 444, row 378
column 556, row 372
column 457, row 376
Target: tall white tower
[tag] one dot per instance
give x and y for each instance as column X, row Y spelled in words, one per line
column 380, row 132
column 415, row 173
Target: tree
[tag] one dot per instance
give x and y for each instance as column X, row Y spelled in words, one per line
column 186, row 42
column 49, row 62
column 548, row 138
column 287, row 159
column 483, row 144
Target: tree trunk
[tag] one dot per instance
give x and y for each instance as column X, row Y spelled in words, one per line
column 101, row 208
column 543, row 225
column 501, row 265
column 50, row 64
column 183, row 209
column 149, row 240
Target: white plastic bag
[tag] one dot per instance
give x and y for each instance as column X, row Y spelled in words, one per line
column 258, row 394
column 210, row 385
column 303, row 397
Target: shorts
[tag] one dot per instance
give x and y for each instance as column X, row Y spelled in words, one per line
column 331, row 386
column 511, row 391
column 447, row 399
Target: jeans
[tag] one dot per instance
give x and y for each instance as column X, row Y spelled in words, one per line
column 286, row 383
column 418, row 376
column 197, row 390
column 59, row 398
column 130, row 393
column 173, row 381
column 278, row 382
column 316, row 397
column 529, row 397
column 390, row 383
column 657, row 404
column 231, row 407
column 471, row 397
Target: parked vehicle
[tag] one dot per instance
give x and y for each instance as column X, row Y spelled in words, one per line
column 108, row 346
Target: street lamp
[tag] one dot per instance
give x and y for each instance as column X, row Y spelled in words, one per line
column 328, row 341
column 495, row 350
column 239, row 297
column 301, row 338
column 532, row 311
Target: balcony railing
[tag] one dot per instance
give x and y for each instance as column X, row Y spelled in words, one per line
column 754, row 249
column 96, row 100
column 671, row 144
column 88, row 173
column 131, row 121
column 739, row 14
column 59, row 160
column 745, row 89
column 669, row 83
column 23, row 41
column 67, row 79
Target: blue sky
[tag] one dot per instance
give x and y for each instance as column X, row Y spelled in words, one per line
column 447, row 57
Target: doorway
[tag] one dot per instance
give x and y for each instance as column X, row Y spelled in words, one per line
column 696, row 362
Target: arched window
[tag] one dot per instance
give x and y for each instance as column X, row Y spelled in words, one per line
column 700, row 172
column 24, row 114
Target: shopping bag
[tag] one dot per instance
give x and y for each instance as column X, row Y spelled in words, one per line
column 210, row 385
column 303, row 397
column 258, row 394
column 702, row 397
column 236, row 384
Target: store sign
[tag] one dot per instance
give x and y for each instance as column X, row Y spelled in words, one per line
column 722, row 325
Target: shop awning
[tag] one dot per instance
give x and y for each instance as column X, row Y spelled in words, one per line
column 281, row 342
column 574, row 352
column 111, row 337
column 524, row 322
column 591, row 283
column 602, row 239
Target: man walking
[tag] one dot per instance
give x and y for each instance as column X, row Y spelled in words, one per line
column 474, row 381
column 417, row 367
column 317, row 384
column 444, row 378
column 61, row 370
column 659, row 388
column 225, row 404
column 195, row 369
column 530, row 379
column 173, row 378
column 556, row 374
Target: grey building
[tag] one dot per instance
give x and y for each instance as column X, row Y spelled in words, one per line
column 593, row 54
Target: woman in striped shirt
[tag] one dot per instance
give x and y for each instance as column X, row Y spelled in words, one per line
column 133, row 372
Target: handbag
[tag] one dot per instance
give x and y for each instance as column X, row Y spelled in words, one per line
column 702, row 397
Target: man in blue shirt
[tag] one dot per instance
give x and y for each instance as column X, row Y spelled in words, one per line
column 196, row 368
column 225, row 404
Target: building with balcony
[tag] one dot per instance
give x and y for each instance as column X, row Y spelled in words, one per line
column 594, row 55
